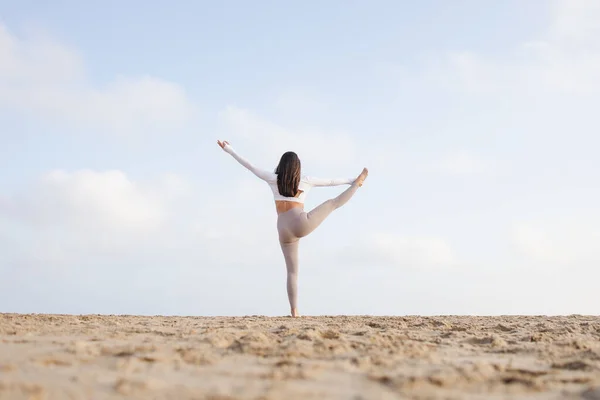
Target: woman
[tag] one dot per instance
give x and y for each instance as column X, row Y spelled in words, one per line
column 289, row 189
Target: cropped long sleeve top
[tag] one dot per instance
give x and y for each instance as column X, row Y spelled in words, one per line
column 306, row 182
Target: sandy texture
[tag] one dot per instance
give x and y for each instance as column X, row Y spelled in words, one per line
column 106, row 357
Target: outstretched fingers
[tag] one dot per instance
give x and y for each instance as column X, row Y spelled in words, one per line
column 223, row 143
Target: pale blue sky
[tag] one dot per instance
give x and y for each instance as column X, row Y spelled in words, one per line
column 478, row 122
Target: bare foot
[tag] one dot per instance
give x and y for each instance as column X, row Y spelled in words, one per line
column 295, row 313
column 361, row 178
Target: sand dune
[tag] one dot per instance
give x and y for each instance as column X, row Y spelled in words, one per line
column 106, row 357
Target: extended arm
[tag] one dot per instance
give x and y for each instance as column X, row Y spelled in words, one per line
column 329, row 182
column 261, row 173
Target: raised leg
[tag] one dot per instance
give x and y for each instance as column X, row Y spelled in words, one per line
column 290, row 253
column 317, row 215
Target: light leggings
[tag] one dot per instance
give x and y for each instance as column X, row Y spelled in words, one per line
column 295, row 224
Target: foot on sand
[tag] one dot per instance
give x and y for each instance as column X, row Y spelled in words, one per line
column 295, row 313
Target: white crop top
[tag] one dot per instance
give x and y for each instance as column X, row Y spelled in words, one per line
column 306, row 183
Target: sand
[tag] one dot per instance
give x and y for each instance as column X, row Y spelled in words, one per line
column 136, row 357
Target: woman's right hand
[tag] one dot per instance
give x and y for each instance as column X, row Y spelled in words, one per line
column 222, row 144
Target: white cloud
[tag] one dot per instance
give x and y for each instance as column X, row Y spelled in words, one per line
column 571, row 242
column 390, row 249
column 89, row 199
column 67, row 219
column 565, row 59
column 311, row 144
column 575, row 20
column 48, row 79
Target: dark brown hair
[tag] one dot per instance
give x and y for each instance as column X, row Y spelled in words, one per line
column 288, row 174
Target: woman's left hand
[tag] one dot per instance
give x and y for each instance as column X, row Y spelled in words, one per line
column 223, row 143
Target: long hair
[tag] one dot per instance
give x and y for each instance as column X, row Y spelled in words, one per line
column 288, row 174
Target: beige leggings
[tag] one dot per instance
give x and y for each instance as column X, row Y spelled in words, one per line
column 295, row 224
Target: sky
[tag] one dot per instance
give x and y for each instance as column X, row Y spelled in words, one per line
column 478, row 122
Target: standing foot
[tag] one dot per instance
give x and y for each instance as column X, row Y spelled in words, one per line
column 295, row 313
column 361, row 178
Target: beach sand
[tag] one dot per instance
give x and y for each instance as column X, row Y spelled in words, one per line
column 340, row 357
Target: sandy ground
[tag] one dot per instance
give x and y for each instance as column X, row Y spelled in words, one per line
column 106, row 357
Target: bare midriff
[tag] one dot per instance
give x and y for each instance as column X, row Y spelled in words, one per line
column 283, row 206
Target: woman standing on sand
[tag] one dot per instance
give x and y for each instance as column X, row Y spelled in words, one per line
column 289, row 190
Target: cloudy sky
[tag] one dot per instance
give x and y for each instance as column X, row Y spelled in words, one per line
column 478, row 121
